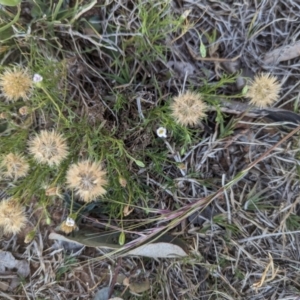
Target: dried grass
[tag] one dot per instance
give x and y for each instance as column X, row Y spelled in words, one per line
column 245, row 243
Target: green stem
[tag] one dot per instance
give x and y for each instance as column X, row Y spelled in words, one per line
column 55, row 104
column 15, row 19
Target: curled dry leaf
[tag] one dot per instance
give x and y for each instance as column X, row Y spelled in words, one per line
column 126, row 281
column 162, row 250
column 9, row 264
column 127, row 211
column 282, row 53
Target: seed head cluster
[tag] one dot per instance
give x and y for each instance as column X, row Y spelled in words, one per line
column 88, row 180
column 14, row 166
column 188, row 108
column 12, row 216
column 16, row 83
column 48, row 147
column 263, row 90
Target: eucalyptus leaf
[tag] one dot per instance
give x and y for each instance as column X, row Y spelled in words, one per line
column 165, row 246
column 89, row 238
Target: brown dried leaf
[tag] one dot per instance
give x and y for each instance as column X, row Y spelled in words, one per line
column 127, row 211
column 162, row 250
column 140, row 287
column 126, row 281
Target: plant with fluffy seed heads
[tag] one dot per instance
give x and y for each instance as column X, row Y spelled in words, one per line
column 12, row 216
column 87, row 179
column 16, row 83
column 263, row 90
column 14, row 166
column 48, row 147
column 188, row 108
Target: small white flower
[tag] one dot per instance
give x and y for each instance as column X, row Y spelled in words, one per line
column 161, row 132
column 70, row 222
column 37, row 78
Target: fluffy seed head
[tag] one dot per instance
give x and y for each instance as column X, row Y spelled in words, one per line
column 263, row 90
column 87, row 179
column 188, row 108
column 16, row 83
column 12, row 216
column 48, row 147
column 14, row 166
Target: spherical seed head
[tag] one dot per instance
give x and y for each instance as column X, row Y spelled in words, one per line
column 14, row 166
column 48, row 147
column 12, row 216
column 16, row 83
column 188, row 108
column 263, row 90
column 88, row 179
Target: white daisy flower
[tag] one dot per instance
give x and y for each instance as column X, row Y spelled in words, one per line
column 70, row 222
column 37, row 78
column 161, row 132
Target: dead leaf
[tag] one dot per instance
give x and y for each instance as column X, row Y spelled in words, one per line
column 166, row 246
column 181, row 68
column 282, row 53
column 7, row 261
column 140, row 287
column 126, row 281
column 159, row 250
column 127, row 211
column 102, row 294
column 4, row 286
column 91, row 239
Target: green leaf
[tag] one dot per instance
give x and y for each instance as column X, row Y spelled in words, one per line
column 202, row 50
column 122, row 238
column 245, row 90
column 15, row 19
column 10, row 2
column 139, row 163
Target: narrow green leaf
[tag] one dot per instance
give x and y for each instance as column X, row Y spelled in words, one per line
column 10, row 2
column 245, row 90
column 202, row 50
column 140, row 163
column 122, row 238
column 16, row 18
